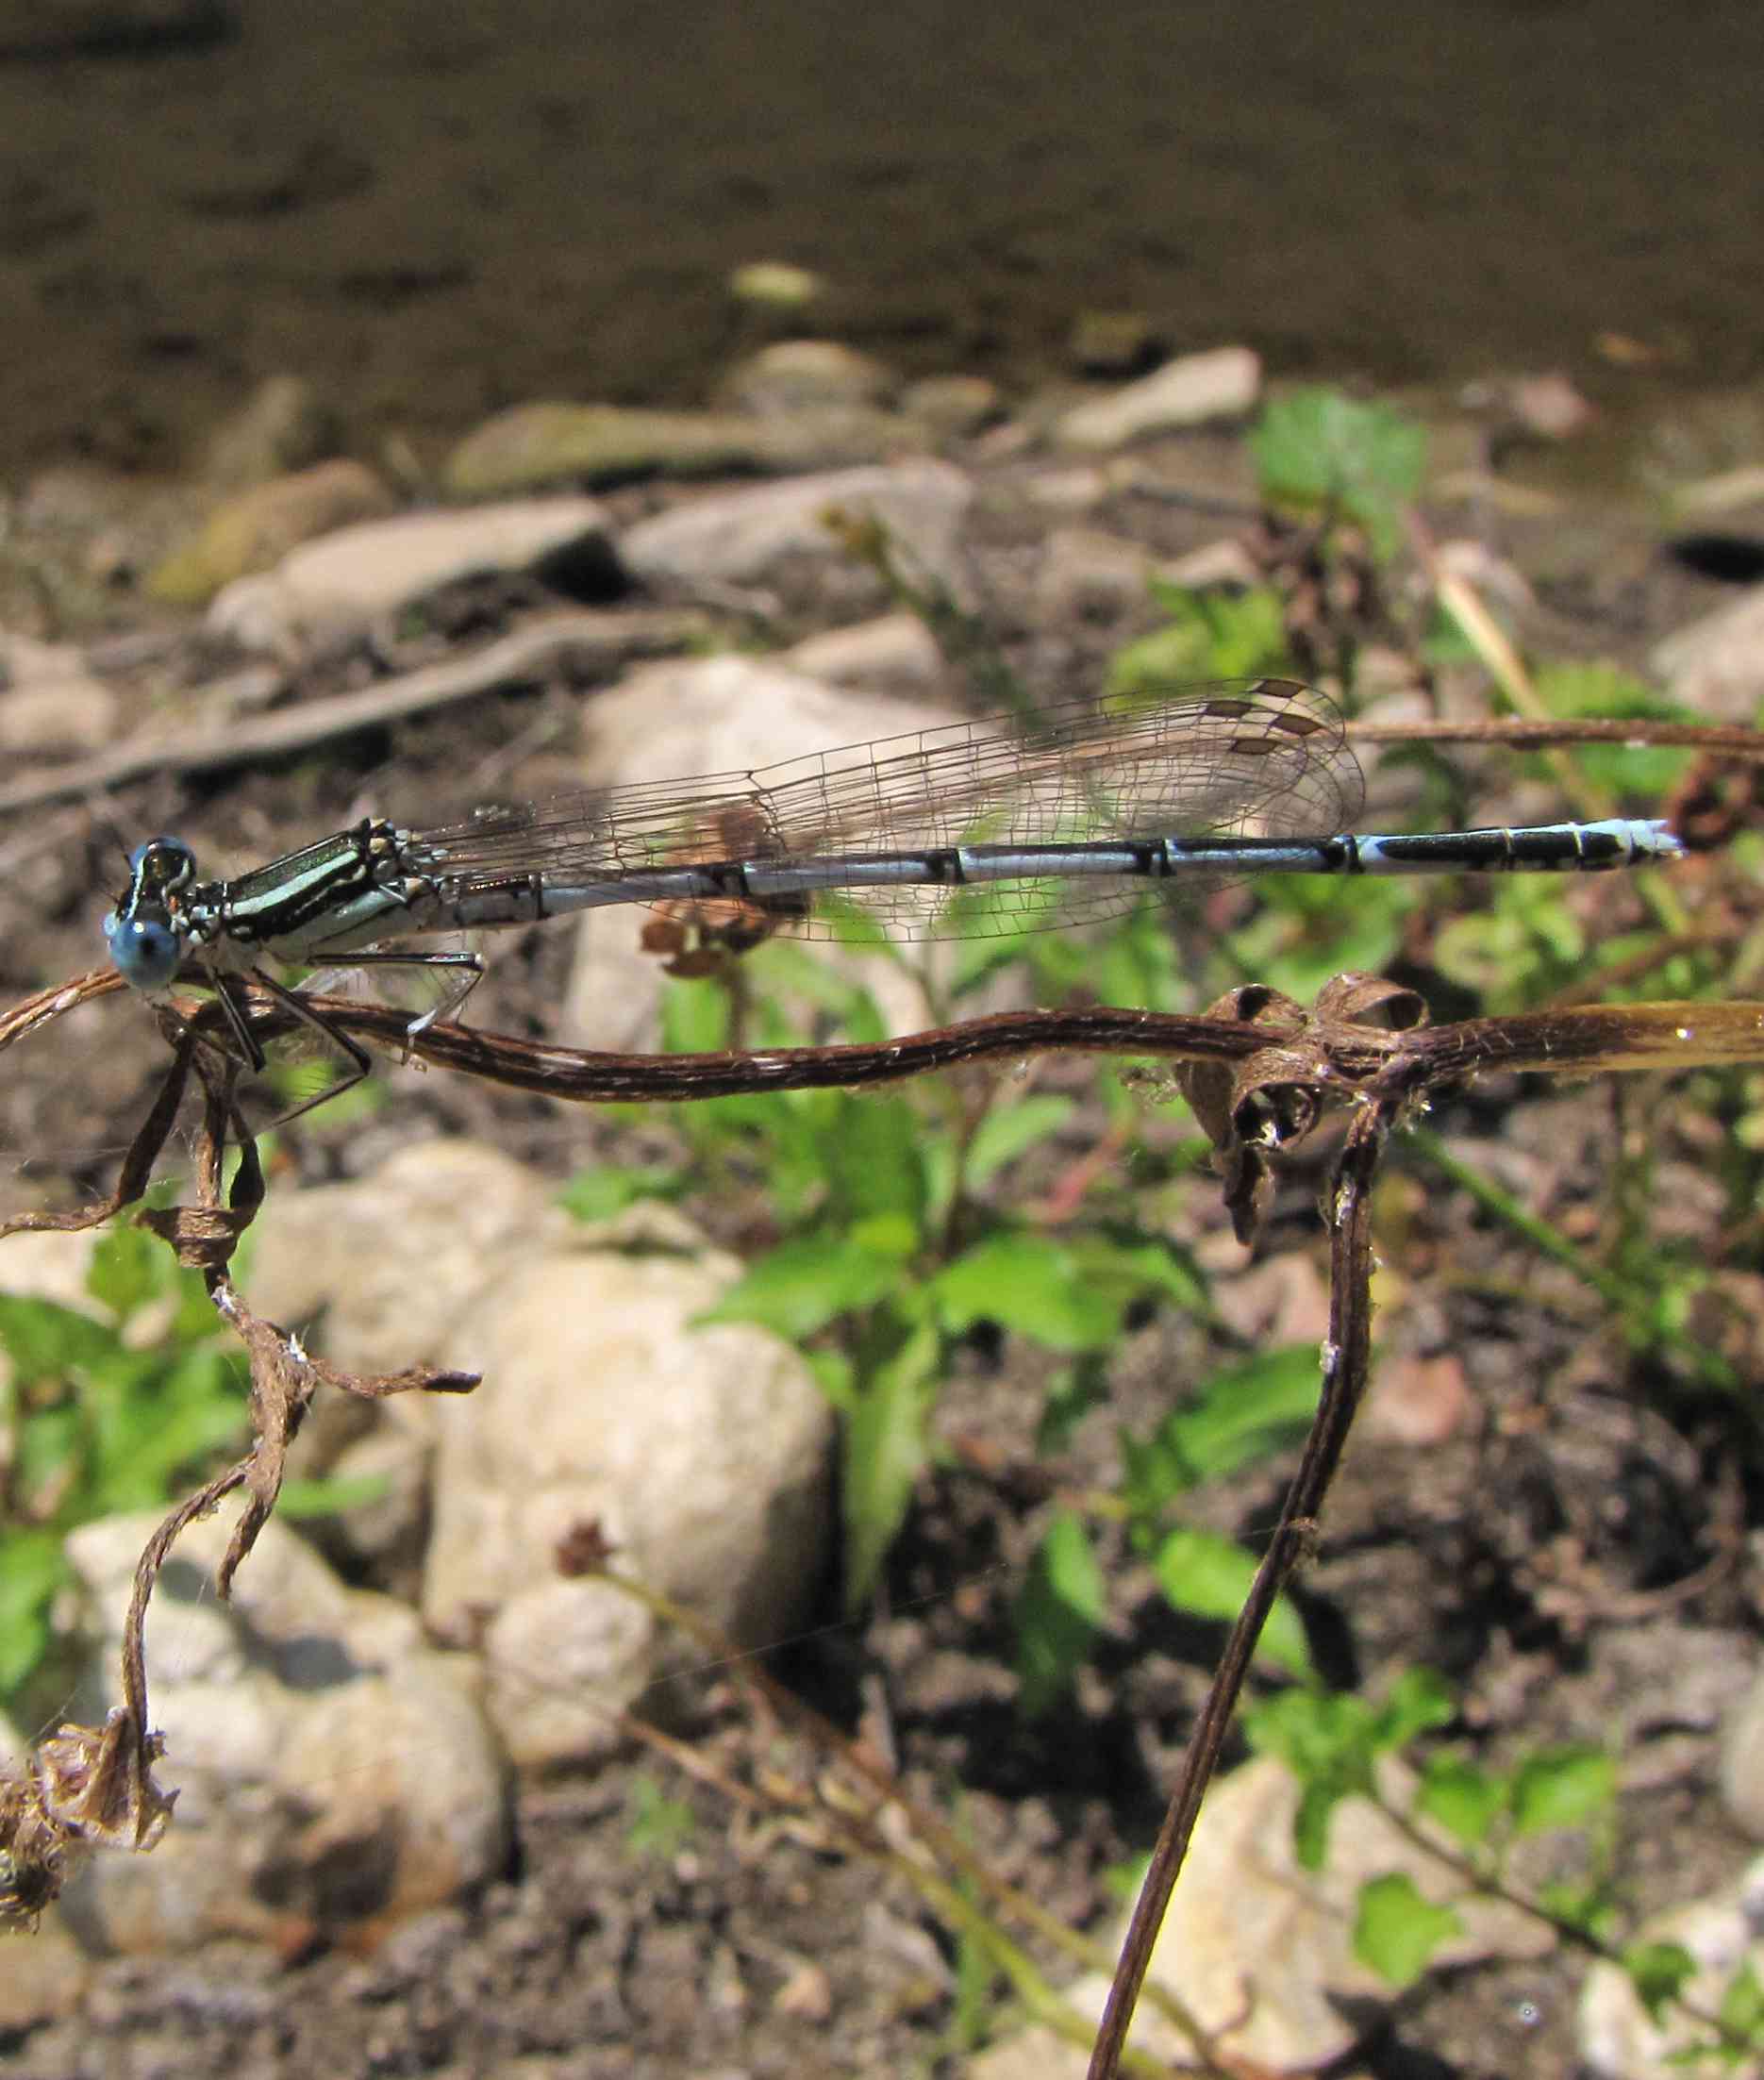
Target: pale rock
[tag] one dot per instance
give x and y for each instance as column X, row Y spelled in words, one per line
column 1742, row 1760
column 1715, row 665
column 1259, row 1951
column 394, row 1261
column 1224, row 565
column 1088, row 575
column 794, row 376
column 701, row 1455
column 762, row 535
column 724, row 716
column 775, row 286
column 533, row 445
column 952, row 407
column 255, row 529
column 327, row 592
column 1190, row 391
column 333, row 1771
column 50, row 704
column 1072, row 490
column 893, row 654
column 1616, row 2037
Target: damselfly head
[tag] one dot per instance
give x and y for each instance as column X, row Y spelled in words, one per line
column 142, row 932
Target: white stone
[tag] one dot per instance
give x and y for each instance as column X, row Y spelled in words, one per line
column 49, row 701
column 1088, row 576
column 1715, row 665
column 332, row 1771
column 1616, row 2036
column 1223, row 384
column 332, row 589
column 748, row 537
column 701, row 1454
column 895, row 653
column 1260, row 1950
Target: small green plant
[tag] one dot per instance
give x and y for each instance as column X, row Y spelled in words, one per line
column 1243, row 1413
column 1476, row 1818
column 657, row 1827
column 884, row 1254
column 1206, row 636
column 1324, row 456
column 102, row 1412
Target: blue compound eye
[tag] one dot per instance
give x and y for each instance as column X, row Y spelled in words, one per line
column 146, row 950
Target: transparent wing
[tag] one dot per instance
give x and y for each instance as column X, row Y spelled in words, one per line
column 1263, row 758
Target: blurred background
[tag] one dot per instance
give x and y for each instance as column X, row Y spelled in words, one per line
column 432, row 210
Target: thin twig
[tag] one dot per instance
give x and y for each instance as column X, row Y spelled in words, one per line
column 585, row 645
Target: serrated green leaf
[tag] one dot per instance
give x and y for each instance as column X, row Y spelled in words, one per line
column 1210, row 1577
column 1010, row 1131
column 1029, row 1284
column 1322, row 452
column 1057, row 1614
column 1397, row 1930
column 1568, row 1787
column 800, row 1286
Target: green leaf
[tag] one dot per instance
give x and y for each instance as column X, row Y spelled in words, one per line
column 1010, row 1131
column 800, row 1286
column 1420, row 1701
column 1587, row 687
column 1029, row 1284
column 1659, row 1973
column 871, row 1151
column 1397, row 1930
column 1057, row 1614
column 1322, row 452
column 602, row 1191
column 129, row 1267
column 47, row 1342
column 1134, row 1271
column 1246, row 1412
column 332, row 1496
column 1209, row 635
column 886, row 1448
column 31, row 1572
column 657, row 1826
column 1742, row 2005
column 694, row 1017
column 1464, row 1800
column 1210, row 1577
column 1568, row 1787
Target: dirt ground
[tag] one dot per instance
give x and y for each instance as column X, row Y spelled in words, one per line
column 1530, row 1549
